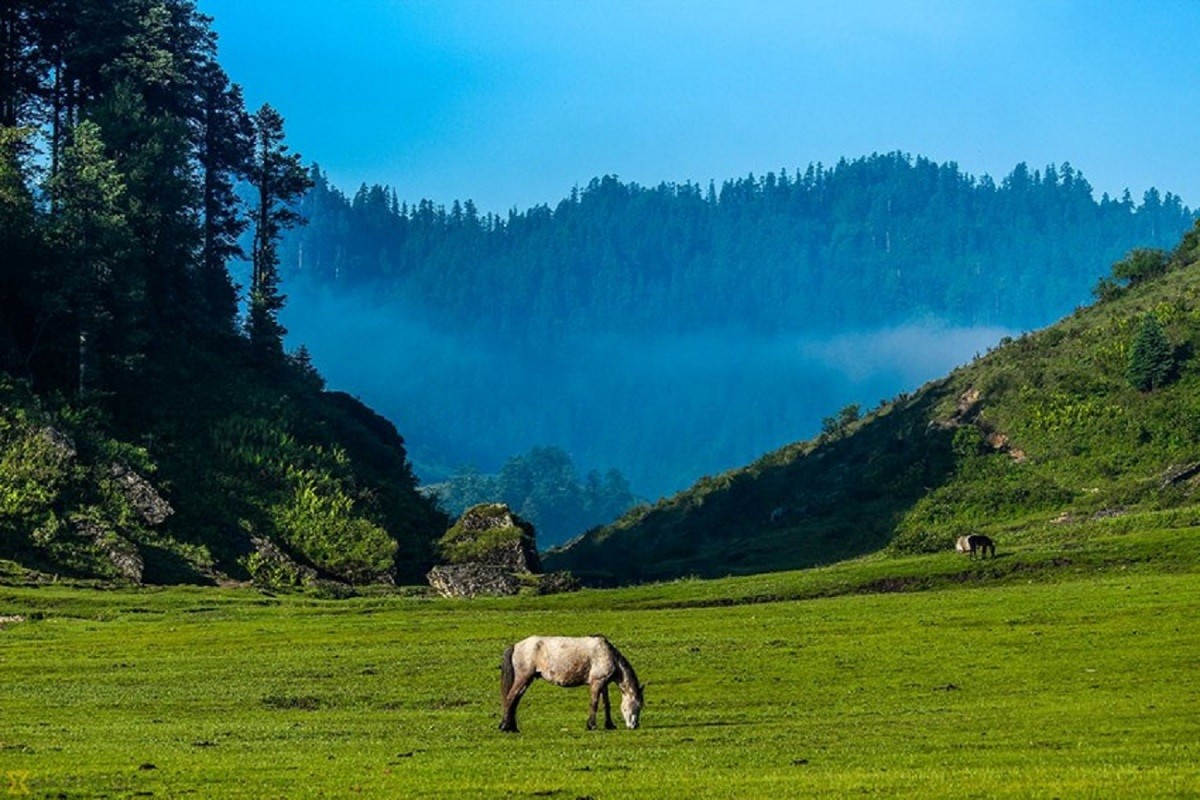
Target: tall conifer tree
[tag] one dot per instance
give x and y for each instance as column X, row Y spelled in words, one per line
column 225, row 149
column 280, row 180
column 90, row 237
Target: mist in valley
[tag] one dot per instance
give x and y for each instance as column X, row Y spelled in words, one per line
column 663, row 411
column 677, row 331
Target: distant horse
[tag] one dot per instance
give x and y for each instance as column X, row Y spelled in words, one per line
column 976, row 541
column 567, row 661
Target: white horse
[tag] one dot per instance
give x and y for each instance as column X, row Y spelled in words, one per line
column 569, row 661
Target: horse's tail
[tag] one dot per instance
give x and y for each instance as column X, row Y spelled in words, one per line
column 507, row 674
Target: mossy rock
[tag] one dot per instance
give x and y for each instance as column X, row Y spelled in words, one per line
column 491, row 534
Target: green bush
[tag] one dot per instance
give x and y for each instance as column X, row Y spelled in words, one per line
column 318, row 521
column 35, row 468
column 922, row 540
column 53, row 486
column 273, row 574
column 968, row 442
column 1141, row 264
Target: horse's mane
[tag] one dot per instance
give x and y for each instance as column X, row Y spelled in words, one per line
column 627, row 673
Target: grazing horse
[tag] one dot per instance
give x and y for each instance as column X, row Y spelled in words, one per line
column 976, row 541
column 568, row 661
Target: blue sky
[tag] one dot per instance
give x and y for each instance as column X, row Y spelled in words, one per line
column 513, row 103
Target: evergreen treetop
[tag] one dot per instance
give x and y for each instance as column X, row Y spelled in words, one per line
column 1151, row 359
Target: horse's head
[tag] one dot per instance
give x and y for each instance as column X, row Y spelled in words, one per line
column 631, row 706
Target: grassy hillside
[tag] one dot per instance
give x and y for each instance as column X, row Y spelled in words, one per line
column 1042, row 673
column 1026, row 443
column 251, row 476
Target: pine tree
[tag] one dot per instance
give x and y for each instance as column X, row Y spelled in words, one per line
column 20, row 61
column 90, row 234
column 19, row 310
column 1140, row 265
column 1150, row 358
column 225, row 149
column 280, row 180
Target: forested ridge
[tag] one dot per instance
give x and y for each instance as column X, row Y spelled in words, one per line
column 148, row 428
column 877, row 240
column 676, row 330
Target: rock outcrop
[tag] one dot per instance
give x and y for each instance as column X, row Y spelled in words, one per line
column 1179, row 473
column 141, row 495
column 271, row 567
column 493, row 552
column 491, row 534
column 473, row 580
column 123, row 554
column 111, row 534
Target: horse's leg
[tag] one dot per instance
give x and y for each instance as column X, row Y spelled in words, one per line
column 597, row 689
column 508, row 715
column 509, row 722
column 608, row 723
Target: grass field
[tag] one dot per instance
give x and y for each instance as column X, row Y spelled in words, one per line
column 1028, row 677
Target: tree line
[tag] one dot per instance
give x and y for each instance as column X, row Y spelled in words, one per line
column 872, row 241
column 659, row 329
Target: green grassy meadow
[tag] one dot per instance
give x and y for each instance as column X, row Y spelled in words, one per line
column 922, row 676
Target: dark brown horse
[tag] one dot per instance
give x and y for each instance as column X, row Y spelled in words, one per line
column 976, row 542
column 569, row 661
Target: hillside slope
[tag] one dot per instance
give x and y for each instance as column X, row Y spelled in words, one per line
column 232, row 477
column 152, row 426
column 1042, row 432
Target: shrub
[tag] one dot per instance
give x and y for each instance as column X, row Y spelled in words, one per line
column 922, row 540
column 968, row 441
column 1140, row 265
column 319, row 523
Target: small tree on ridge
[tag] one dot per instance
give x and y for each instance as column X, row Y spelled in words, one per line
column 1150, row 359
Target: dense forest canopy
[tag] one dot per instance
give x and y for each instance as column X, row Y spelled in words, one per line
column 123, row 141
column 123, row 355
column 867, row 242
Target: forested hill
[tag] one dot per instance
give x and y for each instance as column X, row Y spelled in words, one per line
column 1048, row 439
column 149, row 431
column 865, row 243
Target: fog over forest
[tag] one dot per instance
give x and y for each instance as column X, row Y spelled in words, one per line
column 677, row 331
column 664, row 410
